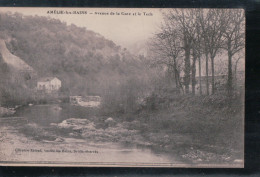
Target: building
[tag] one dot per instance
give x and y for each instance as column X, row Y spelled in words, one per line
column 48, row 84
column 219, row 81
column 218, row 78
column 75, row 99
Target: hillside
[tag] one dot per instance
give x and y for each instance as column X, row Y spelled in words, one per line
column 13, row 60
column 83, row 60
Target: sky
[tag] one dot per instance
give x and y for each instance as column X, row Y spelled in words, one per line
column 125, row 29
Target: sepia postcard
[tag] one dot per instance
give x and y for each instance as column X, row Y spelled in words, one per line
column 122, row 87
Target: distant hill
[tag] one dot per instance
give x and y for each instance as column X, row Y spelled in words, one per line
column 83, row 60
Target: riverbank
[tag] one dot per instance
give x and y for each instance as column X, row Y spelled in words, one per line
column 193, row 131
column 19, row 147
column 199, row 129
column 181, row 145
column 6, row 112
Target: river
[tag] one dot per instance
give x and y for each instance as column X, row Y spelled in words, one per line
column 40, row 122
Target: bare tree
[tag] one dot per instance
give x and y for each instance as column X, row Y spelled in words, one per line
column 185, row 20
column 197, row 32
column 166, row 47
column 234, row 39
column 193, row 70
column 197, row 53
column 203, row 24
column 212, row 23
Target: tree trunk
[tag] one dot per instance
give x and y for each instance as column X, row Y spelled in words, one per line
column 187, row 67
column 207, row 73
column 230, row 77
column 200, row 76
column 176, row 81
column 193, row 74
column 235, row 74
column 235, row 77
column 212, row 76
column 175, row 77
column 179, row 81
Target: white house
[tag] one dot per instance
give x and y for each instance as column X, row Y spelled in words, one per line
column 49, row 84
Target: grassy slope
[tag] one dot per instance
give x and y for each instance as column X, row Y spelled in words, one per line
column 200, row 128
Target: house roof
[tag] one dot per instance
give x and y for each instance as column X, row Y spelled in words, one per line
column 46, row 79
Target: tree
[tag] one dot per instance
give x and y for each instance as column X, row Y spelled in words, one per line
column 234, row 39
column 193, row 70
column 196, row 32
column 212, row 23
column 166, row 47
column 185, row 20
column 197, row 51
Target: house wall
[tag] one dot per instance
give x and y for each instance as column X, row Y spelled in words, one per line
column 43, row 85
column 53, row 85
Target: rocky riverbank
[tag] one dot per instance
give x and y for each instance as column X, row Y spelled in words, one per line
column 6, row 111
column 46, row 147
column 100, row 130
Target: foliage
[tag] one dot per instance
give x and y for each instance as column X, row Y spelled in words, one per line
column 85, row 62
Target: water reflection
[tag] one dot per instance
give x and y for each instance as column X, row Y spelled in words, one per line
column 44, row 115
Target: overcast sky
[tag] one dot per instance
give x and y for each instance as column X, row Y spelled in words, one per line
column 124, row 30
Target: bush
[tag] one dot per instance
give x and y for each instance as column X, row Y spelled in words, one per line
column 123, row 97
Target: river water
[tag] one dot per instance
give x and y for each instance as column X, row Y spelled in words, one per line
column 45, row 116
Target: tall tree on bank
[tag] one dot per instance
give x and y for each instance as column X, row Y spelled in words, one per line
column 212, row 23
column 193, row 70
column 197, row 51
column 199, row 46
column 234, row 40
column 202, row 32
column 203, row 27
column 166, row 49
column 186, row 21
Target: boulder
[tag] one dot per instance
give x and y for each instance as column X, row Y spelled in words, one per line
column 110, row 119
